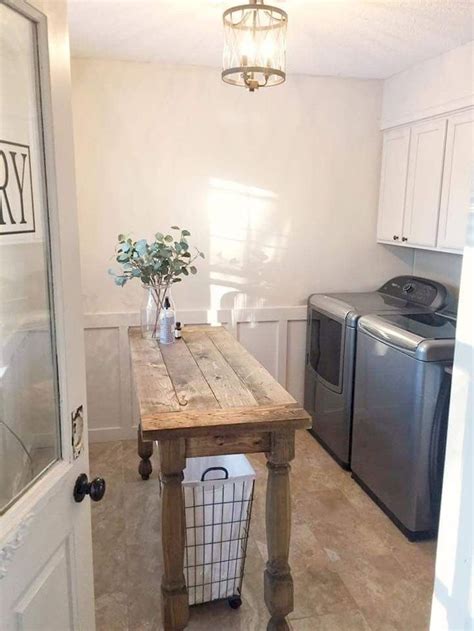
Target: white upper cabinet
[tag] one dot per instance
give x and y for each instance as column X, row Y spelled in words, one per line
column 426, row 176
column 396, row 145
column 425, row 170
column 457, row 179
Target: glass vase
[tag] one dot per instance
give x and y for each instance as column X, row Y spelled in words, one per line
column 152, row 304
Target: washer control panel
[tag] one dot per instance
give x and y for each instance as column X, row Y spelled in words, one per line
column 419, row 291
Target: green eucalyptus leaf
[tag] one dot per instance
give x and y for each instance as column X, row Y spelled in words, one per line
column 141, row 247
column 120, row 280
column 168, row 238
column 185, row 233
column 193, row 270
column 175, row 228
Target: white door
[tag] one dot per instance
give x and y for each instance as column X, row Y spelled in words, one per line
column 393, row 180
column 453, row 598
column 457, row 179
column 45, row 537
column 425, row 171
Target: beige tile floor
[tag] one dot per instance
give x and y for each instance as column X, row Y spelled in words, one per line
column 352, row 569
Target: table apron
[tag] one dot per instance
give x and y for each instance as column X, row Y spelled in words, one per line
column 216, row 444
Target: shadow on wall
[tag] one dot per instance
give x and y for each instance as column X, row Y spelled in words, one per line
column 243, row 243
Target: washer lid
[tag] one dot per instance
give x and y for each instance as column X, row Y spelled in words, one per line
column 426, row 336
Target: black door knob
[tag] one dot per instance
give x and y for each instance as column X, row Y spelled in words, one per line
column 96, row 488
column 395, row 237
column 404, row 238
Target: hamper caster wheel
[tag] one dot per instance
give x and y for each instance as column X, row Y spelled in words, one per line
column 234, row 602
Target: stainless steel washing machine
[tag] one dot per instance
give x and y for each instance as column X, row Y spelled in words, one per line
column 401, row 401
column 331, row 345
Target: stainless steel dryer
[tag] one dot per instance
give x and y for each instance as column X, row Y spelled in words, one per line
column 400, row 415
column 331, row 346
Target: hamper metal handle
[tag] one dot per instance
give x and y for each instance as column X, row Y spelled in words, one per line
column 223, row 469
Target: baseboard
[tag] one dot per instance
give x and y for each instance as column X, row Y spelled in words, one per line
column 110, row 434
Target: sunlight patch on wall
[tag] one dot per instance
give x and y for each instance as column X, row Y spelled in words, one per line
column 245, row 243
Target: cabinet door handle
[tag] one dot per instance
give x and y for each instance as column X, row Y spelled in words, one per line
column 404, row 238
column 395, row 237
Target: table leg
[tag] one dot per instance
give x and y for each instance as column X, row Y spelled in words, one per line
column 278, row 583
column 175, row 609
column 145, row 451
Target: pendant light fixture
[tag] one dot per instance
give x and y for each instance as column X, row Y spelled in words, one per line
column 254, row 45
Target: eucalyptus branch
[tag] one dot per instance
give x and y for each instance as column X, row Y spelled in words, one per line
column 157, row 264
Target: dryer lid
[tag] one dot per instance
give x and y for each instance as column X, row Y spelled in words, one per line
column 350, row 306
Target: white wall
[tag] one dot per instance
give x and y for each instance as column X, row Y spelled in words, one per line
column 435, row 86
column 440, row 266
column 278, row 188
column 453, row 601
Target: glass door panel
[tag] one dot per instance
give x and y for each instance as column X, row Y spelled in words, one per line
column 29, row 401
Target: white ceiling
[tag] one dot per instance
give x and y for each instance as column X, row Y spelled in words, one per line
column 349, row 38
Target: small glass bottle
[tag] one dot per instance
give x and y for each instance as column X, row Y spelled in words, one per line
column 167, row 322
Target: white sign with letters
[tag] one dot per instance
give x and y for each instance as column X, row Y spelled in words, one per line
column 17, row 213
column 22, row 176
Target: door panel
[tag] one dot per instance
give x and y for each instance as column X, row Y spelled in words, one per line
column 424, row 183
column 393, row 181
column 29, row 393
column 29, row 397
column 45, row 537
column 52, row 585
column 458, row 173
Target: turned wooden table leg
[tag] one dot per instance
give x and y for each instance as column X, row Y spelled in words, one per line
column 175, row 610
column 278, row 584
column 145, row 451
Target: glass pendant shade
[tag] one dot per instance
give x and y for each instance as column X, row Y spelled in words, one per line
column 254, row 46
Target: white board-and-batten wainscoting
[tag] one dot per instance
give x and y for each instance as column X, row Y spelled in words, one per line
column 276, row 336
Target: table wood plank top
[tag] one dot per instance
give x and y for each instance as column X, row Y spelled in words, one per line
column 207, row 381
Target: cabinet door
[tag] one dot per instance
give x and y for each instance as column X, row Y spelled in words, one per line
column 457, row 178
column 396, row 144
column 425, row 171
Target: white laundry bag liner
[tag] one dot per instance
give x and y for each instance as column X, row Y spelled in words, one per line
column 217, row 518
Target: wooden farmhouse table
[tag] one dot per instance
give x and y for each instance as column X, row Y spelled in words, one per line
column 206, row 395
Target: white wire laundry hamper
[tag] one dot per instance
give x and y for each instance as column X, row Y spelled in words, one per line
column 218, row 511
